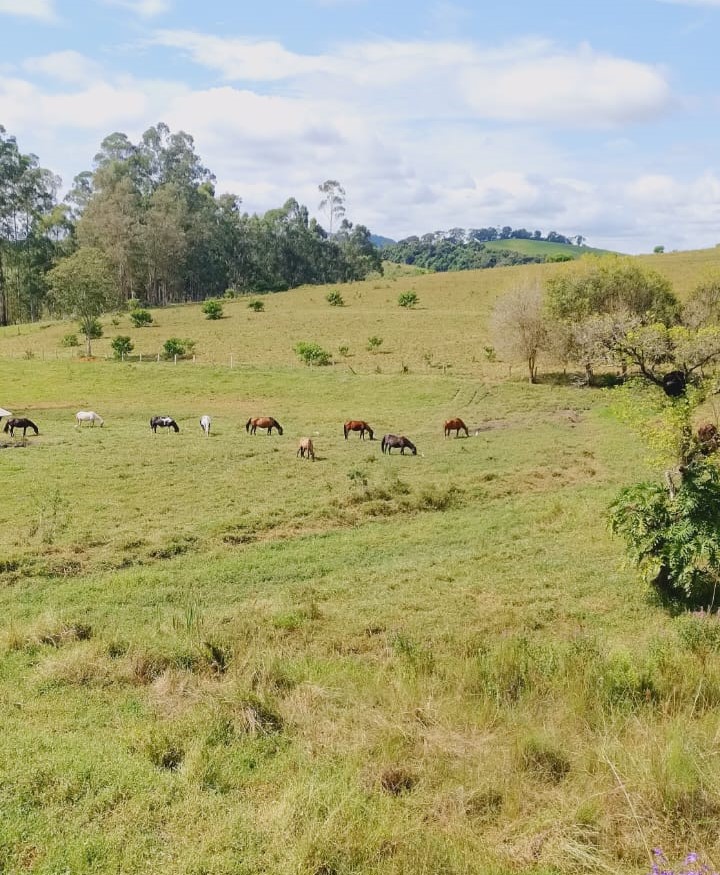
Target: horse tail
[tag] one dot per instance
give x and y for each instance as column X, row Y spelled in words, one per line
column 7, row 427
column 345, row 430
column 247, row 425
column 383, row 443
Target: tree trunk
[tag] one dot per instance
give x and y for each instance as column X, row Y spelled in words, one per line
column 3, row 302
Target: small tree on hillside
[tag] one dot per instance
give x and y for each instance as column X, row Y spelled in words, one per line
column 519, row 327
column 212, row 309
column 82, row 286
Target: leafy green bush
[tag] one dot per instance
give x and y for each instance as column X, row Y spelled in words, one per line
column 122, row 346
column 344, row 350
column 176, row 346
column 335, row 299
column 374, row 343
column 93, row 329
column 408, row 300
column 229, row 294
column 313, row 354
column 70, row 340
column 674, row 538
column 212, row 309
column 141, row 318
column 257, row 306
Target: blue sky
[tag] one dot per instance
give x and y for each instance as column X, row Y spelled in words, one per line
column 592, row 119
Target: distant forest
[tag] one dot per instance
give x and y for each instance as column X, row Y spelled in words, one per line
column 461, row 249
column 150, row 213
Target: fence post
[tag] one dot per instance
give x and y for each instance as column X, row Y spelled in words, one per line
column 231, row 360
column 140, row 358
column 175, row 358
column 193, row 359
column 158, row 358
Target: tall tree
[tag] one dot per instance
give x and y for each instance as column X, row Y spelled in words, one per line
column 333, row 201
column 27, row 193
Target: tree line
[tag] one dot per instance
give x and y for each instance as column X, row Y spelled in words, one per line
column 148, row 217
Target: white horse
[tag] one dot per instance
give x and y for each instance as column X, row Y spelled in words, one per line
column 205, row 424
column 88, row 416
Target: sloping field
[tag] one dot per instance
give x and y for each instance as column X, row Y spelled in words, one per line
column 543, row 247
column 218, row 658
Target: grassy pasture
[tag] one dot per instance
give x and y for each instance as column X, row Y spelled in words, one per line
column 217, row 658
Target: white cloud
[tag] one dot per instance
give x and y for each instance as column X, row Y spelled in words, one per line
column 524, row 81
column 42, row 10
column 68, row 66
column 143, row 8
column 99, row 105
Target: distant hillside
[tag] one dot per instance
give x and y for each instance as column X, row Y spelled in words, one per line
column 380, row 241
column 543, row 248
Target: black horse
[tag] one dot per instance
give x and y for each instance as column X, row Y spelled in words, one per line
column 24, row 424
column 399, row 442
column 163, row 422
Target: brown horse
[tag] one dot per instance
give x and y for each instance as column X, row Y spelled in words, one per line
column 456, row 425
column 306, row 450
column 358, row 425
column 24, row 424
column 262, row 422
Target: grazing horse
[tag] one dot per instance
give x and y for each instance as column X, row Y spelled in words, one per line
column 88, row 416
column 163, row 422
column 306, row 450
column 205, row 424
column 262, row 422
column 24, row 424
column 358, row 425
column 399, row 442
column 456, row 425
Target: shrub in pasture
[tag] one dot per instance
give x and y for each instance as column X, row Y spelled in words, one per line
column 408, row 300
column 374, row 343
column 70, row 340
column 312, row 354
column 335, row 299
column 93, row 329
column 212, row 309
column 176, row 346
column 229, row 294
column 256, row 305
column 141, row 318
column 122, row 346
column 344, row 350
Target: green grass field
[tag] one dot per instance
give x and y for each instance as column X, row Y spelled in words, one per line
column 218, row 658
column 543, row 247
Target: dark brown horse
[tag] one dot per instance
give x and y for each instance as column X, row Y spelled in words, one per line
column 263, row 422
column 398, row 442
column 358, row 425
column 24, row 424
column 163, row 422
column 456, row 425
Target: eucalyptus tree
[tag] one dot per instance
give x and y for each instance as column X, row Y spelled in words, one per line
column 27, row 194
column 333, row 201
